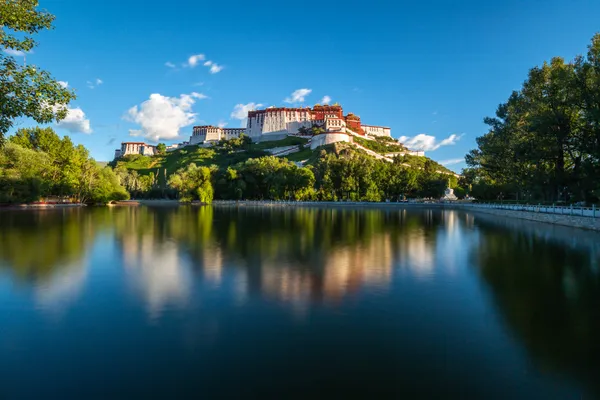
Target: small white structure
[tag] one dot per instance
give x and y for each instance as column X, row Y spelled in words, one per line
column 176, row 146
column 135, row 148
column 376, row 130
column 335, row 124
column 449, row 195
column 209, row 133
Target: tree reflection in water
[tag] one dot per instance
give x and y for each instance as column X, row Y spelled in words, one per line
column 546, row 282
column 296, row 256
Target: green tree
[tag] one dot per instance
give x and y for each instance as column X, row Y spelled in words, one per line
column 24, row 174
column 36, row 163
column 26, row 90
column 587, row 70
column 107, row 187
column 230, row 184
column 192, row 183
column 161, row 148
column 543, row 143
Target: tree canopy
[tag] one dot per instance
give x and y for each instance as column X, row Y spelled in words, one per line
column 193, row 183
column 36, row 163
column 544, row 142
column 25, row 90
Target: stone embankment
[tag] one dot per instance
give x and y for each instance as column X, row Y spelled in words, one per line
column 576, row 221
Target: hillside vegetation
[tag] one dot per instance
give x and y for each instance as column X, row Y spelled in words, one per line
column 225, row 153
column 239, row 169
column 381, row 144
column 421, row 162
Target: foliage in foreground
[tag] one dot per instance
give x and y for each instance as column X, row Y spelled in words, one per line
column 27, row 91
column 193, row 183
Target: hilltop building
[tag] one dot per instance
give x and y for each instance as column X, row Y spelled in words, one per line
column 176, row 146
column 275, row 123
column 282, row 121
column 209, row 133
column 278, row 122
column 135, row 148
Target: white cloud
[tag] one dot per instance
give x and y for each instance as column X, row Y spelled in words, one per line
column 452, row 161
column 197, row 59
column 240, row 111
column 75, row 121
column 161, row 117
column 162, row 278
column 298, row 96
column 222, row 124
column 64, row 84
column 198, row 84
column 194, row 60
column 423, row 142
column 326, row 100
column 97, row 82
column 15, row 53
column 215, row 68
column 62, row 289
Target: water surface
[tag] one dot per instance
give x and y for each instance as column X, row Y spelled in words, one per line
column 295, row 303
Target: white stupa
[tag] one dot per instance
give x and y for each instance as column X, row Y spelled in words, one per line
column 449, row 195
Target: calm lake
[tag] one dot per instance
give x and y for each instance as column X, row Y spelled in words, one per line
column 225, row 302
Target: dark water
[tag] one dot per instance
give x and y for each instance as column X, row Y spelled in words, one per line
column 295, row 303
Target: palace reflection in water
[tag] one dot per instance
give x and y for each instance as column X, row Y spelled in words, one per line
column 292, row 256
column 455, row 302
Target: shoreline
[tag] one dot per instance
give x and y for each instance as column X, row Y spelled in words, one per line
column 573, row 221
column 41, row 206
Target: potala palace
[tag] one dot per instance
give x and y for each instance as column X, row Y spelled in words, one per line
column 275, row 123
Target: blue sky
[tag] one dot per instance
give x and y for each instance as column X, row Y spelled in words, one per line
column 434, row 68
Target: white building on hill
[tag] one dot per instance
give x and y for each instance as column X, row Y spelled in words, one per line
column 209, row 133
column 376, row 130
column 274, row 122
column 135, row 148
